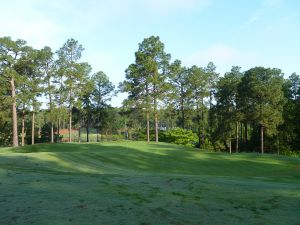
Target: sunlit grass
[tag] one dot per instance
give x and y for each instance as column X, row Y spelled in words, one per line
column 140, row 183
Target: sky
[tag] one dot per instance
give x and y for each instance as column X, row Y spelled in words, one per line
column 243, row 33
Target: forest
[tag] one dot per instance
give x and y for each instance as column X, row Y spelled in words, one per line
column 52, row 96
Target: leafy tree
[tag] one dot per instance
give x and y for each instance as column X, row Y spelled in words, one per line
column 227, row 107
column 47, row 68
column 199, row 85
column 262, row 91
column 10, row 53
column 179, row 78
column 213, row 77
column 102, row 92
column 146, row 79
column 30, row 86
column 70, row 69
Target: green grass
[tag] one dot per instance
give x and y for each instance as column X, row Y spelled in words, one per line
column 140, row 183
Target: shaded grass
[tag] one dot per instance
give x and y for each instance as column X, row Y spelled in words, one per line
column 140, row 183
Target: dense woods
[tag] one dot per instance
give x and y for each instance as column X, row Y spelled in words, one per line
column 52, row 96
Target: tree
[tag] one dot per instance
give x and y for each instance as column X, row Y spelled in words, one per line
column 179, row 78
column 137, row 87
column 69, row 55
column 262, row 92
column 47, row 68
column 210, row 70
column 101, row 93
column 29, row 88
column 146, row 79
column 199, row 86
column 227, row 107
column 10, row 52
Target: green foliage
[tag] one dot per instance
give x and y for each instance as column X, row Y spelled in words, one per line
column 179, row 136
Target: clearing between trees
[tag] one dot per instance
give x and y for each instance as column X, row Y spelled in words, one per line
column 145, row 183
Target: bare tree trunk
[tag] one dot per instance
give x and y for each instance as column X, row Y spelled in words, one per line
column 148, row 126
column 40, row 131
column 70, row 125
column 79, row 131
column 58, row 130
column 241, row 132
column 237, row 137
column 23, row 129
column 182, row 111
column 50, row 106
column 52, row 135
column 199, row 126
column 262, row 139
column 246, row 136
column 97, row 134
column 14, row 113
column 156, row 120
column 156, row 126
column 202, row 118
column 32, row 128
column 230, row 143
column 88, row 130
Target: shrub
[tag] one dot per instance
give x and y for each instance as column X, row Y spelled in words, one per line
column 179, row 136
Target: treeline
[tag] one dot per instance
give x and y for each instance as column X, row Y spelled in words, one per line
column 253, row 110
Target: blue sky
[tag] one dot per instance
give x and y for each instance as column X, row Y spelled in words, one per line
column 246, row 33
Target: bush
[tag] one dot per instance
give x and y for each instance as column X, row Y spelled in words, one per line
column 179, row 136
column 289, row 152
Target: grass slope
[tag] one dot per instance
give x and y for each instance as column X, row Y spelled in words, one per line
column 143, row 184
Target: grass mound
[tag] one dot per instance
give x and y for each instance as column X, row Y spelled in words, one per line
column 141, row 183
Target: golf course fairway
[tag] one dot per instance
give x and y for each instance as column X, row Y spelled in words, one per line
column 139, row 183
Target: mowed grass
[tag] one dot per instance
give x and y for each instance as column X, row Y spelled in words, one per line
column 143, row 184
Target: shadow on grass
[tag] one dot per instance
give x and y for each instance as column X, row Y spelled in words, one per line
column 140, row 157
column 114, row 183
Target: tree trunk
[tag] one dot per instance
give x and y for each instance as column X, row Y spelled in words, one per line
column 199, row 126
column 202, row 118
column 156, row 126
column 88, row 129
column 97, row 134
column 14, row 113
column 32, row 128
column 50, row 107
column 58, row 130
column 182, row 110
column 209, row 114
column 230, row 145
column 40, row 131
column 241, row 132
column 23, row 129
column 52, row 133
column 148, row 126
column 79, row 131
column 262, row 139
column 70, row 124
column 156, row 120
column 246, row 136
column 237, row 137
